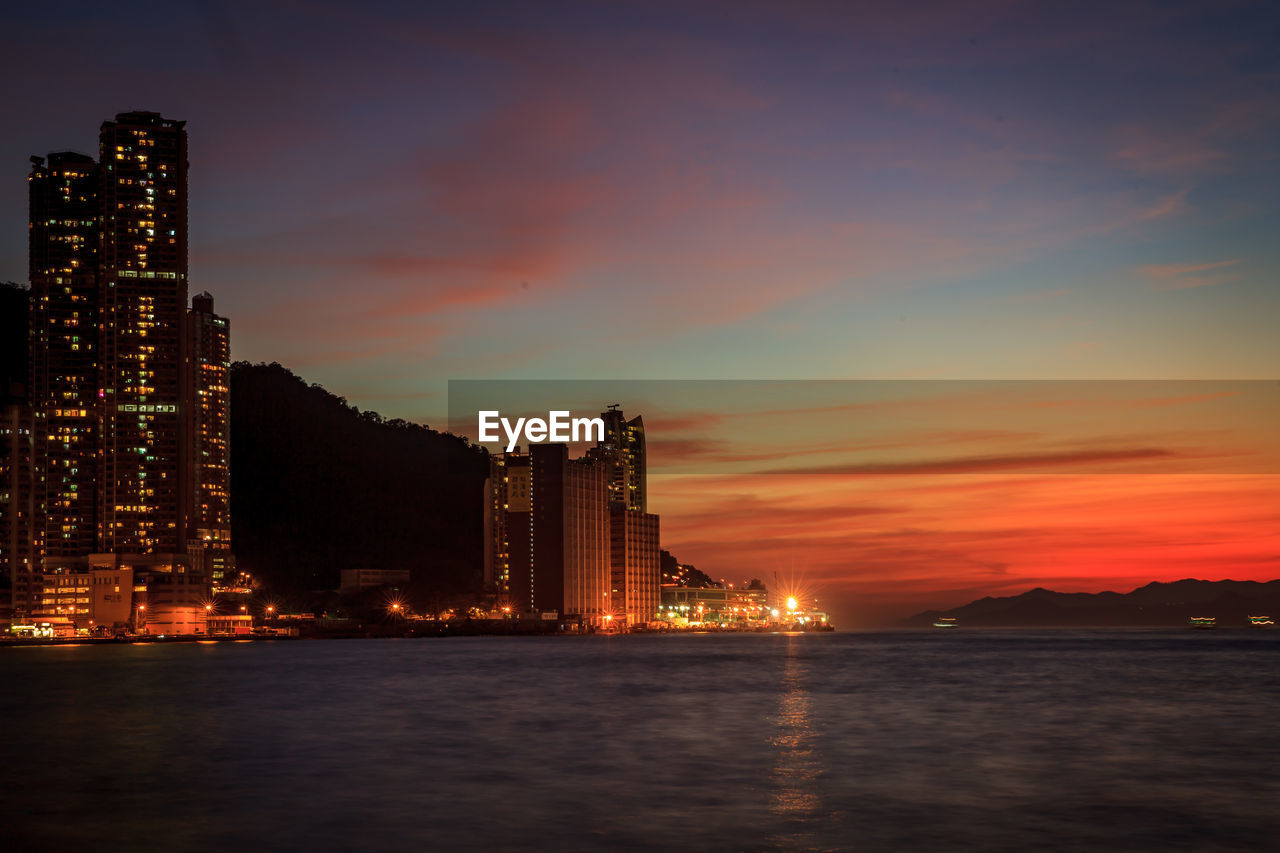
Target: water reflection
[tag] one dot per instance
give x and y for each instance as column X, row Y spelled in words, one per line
column 894, row 741
column 794, row 800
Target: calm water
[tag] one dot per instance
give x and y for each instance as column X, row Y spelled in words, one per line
column 993, row 740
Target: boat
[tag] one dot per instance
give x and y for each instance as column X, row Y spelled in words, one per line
column 1261, row 621
column 1203, row 621
column 945, row 622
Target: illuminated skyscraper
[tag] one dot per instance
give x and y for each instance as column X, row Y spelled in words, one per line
column 634, row 548
column 63, row 254
column 19, row 535
column 207, row 507
column 572, row 535
column 623, row 453
column 508, row 492
column 569, row 530
column 142, row 288
column 634, row 565
column 129, row 394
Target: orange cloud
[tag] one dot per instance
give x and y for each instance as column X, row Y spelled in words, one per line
column 881, row 548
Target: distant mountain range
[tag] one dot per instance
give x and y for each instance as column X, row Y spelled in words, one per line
column 1156, row 604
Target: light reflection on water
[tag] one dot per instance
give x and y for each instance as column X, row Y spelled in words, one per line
column 795, row 798
column 999, row 740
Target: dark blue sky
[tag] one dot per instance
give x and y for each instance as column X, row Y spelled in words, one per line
column 389, row 195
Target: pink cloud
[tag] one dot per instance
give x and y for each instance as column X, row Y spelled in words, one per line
column 1188, row 276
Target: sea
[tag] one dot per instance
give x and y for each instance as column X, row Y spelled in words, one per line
column 966, row 739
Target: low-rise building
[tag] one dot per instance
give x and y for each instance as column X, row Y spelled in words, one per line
column 722, row 606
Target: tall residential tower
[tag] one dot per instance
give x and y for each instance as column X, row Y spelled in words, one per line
column 129, row 390
column 63, row 255
column 572, row 535
column 142, row 296
column 207, row 491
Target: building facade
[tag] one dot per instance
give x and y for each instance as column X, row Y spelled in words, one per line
column 129, row 420
column 63, row 259
column 19, row 546
column 207, row 491
column 572, row 536
column 569, row 534
column 508, row 497
column 19, row 476
column 142, row 295
column 633, row 565
column 622, row 452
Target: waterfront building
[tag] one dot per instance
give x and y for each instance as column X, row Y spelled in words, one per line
column 508, row 496
column 64, row 219
column 129, row 389
column 622, row 452
column 572, row 536
column 19, row 475
column 65, row 597
column 19, row 542
column 723, row 606
column 228, row 624
column 569, row 536
column 633, row 565
column 142, row 296
column 207, row 497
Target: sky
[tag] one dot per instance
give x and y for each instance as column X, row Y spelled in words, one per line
column 388, row 196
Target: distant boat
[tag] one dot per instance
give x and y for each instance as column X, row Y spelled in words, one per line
column 945, row 622
column 1203, row 621
column 1261, row 621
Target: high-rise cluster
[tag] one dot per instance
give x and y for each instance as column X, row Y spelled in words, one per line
column 572, row 536
column 128, row 387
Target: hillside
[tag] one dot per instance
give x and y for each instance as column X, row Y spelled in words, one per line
column 319, row 486
column 1155, row 604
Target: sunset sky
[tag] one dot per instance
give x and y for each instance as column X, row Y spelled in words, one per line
column 387, row 197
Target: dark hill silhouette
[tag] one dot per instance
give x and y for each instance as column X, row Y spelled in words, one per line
column 319, row 486
column 1155, row 604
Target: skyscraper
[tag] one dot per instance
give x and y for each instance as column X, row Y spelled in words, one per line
column 508, row 492
column 634, row 565
column 569, row 534
column 142, row 295
column 633, row 531
column 623, row 453
column 19, row 535
column 207, row 491
column 129, row 390
column 63, row 255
